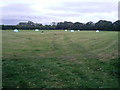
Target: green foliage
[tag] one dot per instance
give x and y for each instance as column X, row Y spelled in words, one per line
column 100, row 25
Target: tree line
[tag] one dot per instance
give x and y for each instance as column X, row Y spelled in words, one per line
column 100, row 25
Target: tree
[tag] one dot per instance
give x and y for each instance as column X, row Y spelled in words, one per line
column 89, row 26
column 100, row 25
column 29, row 25
column 104, row 25
column 116, row 25
column 78, row 25
column 60, row 25
column 64, row 25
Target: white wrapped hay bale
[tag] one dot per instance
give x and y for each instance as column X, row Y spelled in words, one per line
column 71, row 30
column 36, row 29
column 15, row 30
column 97, row 31
column 66, row 30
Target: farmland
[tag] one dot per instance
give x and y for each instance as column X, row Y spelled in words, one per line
column 59, row 59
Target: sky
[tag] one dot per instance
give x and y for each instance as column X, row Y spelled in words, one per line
column 48, row 11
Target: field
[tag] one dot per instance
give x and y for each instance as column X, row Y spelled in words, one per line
column 59, row 59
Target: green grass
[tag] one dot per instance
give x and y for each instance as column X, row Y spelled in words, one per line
column 58, row 59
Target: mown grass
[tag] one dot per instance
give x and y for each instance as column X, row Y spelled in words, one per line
column 58, row 59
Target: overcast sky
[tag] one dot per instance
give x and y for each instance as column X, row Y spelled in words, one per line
column 47, row 11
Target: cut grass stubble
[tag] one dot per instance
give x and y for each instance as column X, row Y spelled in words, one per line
column 58, row 59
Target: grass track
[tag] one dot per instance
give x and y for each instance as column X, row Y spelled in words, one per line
column 58, row 59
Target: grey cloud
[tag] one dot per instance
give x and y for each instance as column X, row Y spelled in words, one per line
column 10, row 21
column 16, row 9
column 86, row 7
column 65, row 14
column 13, row 13
column 37, row 19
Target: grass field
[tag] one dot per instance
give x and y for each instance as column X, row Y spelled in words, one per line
column 59, row 59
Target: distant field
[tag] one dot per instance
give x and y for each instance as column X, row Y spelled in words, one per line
column 59, row 59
